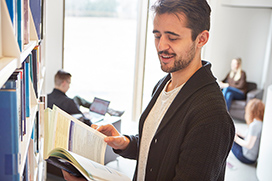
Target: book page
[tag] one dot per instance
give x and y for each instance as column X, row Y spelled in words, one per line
column 73, row 135
column 90, row 169
column 48, row 132
column 98, row 171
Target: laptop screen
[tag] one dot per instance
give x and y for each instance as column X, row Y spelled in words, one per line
column 99, row 106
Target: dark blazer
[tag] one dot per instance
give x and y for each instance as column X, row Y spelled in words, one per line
column 194, row 137
column 60, row 99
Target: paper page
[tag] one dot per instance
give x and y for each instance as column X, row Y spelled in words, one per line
column 75, row 136
column 48, row 133
column 98, row 171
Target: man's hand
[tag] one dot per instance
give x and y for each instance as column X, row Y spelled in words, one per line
column 67, row 176
column 114, row 138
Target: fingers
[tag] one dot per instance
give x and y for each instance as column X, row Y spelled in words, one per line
column 117, row 142
column 108, row 130
column 94, row 126
column 114, row 138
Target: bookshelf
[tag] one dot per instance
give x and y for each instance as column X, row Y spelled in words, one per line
column 28, row 163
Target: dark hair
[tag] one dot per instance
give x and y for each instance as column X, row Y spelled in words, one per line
column 197, row 13
column 61, row 76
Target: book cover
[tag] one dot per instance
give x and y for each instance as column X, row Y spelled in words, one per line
column 14, row 82
column 9, row 135
column 22, row 98
column 27, row 84
column 65, row 148
column 12, row 12
column 35, row 7
column 26, row 22
column 34, row 58
column 82, row 167
column 20, row 26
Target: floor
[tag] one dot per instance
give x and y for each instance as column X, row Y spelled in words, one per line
column 235, row 171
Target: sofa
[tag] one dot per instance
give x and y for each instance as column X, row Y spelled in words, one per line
column 237, row 108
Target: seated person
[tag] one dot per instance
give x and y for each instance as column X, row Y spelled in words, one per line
column 234, row 85
column 246, row 147
column 59, row 98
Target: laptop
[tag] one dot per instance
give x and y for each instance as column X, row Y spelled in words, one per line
column 98, row 109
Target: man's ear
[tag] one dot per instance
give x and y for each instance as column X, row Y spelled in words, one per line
column 202, row 38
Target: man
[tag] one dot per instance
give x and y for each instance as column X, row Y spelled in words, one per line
column 185, row 133
column 59, row 98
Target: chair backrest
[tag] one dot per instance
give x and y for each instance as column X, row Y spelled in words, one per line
column 251, row 86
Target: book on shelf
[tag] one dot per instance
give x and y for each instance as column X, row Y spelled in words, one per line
column 35, row 7
column 26, row 76
column 35, row 68
column 20, row 25
column 26, row 22
column 9, row 135
column 71, row 145
column 11, row 5
column 15, row 82
column 35, row 133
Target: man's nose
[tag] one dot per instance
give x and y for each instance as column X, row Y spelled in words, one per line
column 163, row 44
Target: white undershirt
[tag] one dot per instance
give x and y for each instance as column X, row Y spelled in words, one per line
column 151, row 124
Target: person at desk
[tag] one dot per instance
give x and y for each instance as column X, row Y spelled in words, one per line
column 234, row 85
column 185, row 132
column 58, row 96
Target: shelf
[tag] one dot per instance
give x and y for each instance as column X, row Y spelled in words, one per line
column 248, row 3
column 41, row 80
column 27, row 50
column 11, row 58
column 7, row 67
column 26, row 138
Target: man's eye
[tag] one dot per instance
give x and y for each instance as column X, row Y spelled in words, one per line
column 172, row 39
column 157, row 36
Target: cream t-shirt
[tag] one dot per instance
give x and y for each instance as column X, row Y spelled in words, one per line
column 151, row 124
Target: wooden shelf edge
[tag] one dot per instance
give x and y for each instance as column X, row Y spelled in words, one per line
column 27, row 50
column 26, row 138
column 7, row 67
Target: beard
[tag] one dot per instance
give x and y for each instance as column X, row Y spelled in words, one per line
column 181, row 62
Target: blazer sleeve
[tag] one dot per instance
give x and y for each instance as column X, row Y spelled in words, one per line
column 131, row 151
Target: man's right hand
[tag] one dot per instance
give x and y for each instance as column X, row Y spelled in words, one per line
column 114, row 138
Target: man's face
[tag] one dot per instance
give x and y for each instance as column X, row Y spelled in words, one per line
column 173, row 42
column 66, row 84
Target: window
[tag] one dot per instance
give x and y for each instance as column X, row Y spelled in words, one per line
column 99, row 49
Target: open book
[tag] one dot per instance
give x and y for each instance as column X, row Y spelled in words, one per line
column 76, row 147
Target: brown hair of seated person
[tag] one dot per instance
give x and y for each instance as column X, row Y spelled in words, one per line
column 254, row 110
column 62, row 80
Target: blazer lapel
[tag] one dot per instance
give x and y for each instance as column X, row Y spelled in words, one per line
column 201, row 78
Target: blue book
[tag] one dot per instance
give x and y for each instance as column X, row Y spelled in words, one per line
column 36, row 9
column 20, row 25
column 9, row 135
column 14, row 82
column 27, row 84
column 11, row 8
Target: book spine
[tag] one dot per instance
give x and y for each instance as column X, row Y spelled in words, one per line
column 27, row 84
column 11, row 8
column 26, row 22
column 35, row 7
column 20, row 26
column 9, row 135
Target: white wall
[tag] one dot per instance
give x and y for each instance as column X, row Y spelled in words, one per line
column 238, row 32
column 54, row 41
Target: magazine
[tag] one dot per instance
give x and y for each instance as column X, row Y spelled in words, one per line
column 76, row 147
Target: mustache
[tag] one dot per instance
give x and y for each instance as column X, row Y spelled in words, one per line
column 165, row 52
